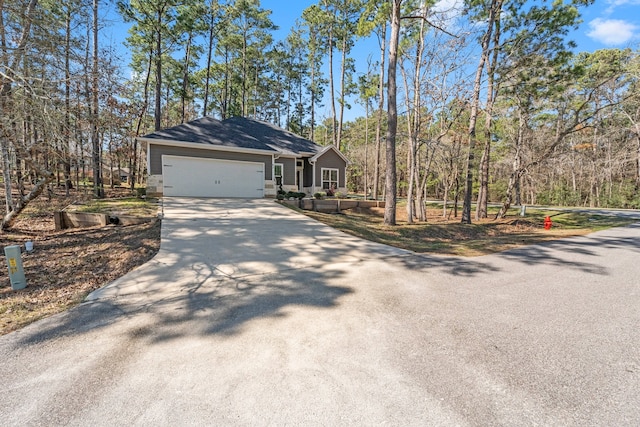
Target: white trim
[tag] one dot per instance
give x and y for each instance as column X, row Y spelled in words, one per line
column 313, row 181
column 337, row 177
column 201, row 146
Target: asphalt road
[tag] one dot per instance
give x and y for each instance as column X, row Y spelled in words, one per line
column 622, row 213
column 254, row 315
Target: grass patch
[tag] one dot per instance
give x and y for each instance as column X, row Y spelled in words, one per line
column 449, row 237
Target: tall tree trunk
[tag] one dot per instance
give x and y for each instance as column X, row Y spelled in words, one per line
column 157, row 115
column 445, row 200
column 392, row 117
column 421, row 193
column 5, row 103
column 456, row 198
column 244, row 77
column 483, row 192
column 473, row 116
column 343, row 73
column 79, row 147
column 312, row 125
column 410, row 144
column 207, row 81
column 516, row 169
column 376, row 169
column 185, row 78
column 133, row 160
column 226, row 95
column 638, row 156
column 98, row 189
column 332, row 90
column 9, row 61
column 413, row 122
column 67, row 104
column 256, row 81
column 6, row 172
column 366, row 150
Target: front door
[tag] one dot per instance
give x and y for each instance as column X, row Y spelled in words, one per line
column 300, row 174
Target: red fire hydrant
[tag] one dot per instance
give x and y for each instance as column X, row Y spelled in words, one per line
column 547, row 223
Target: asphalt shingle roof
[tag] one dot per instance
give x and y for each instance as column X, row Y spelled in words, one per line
column 273, row 136
column 208, row 130
column 238, row 132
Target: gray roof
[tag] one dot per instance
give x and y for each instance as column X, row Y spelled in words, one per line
column 208, row 130
column 273, row 136
column 238, row 132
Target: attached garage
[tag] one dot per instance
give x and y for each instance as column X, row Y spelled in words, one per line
column 238, row 157
column 201, row 177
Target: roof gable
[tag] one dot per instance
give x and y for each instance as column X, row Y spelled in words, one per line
column 326, row 149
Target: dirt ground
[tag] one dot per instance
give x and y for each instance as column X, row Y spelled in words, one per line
column 67, row 265
column 447, row 236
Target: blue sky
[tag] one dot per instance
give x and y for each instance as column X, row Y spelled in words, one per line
column 606, row 24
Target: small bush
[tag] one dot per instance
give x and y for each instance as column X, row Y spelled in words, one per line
column 318, row 195
column 280, row 196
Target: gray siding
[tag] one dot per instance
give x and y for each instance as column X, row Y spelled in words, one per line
column 308, row 173
column 156, row 152
column 289, row 170
column 331, row 159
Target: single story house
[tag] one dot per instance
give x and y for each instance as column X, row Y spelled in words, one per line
column 238, row 157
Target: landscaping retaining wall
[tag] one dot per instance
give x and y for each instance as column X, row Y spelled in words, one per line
column 333, row 205
column 64, row 219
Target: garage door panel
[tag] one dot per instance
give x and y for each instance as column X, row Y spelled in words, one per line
column 198, row 177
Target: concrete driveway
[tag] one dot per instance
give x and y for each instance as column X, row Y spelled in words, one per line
column 254, row 315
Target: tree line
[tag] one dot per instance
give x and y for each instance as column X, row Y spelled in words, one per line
column 487, row 103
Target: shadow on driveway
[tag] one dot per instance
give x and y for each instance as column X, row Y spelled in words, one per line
column 225, row 263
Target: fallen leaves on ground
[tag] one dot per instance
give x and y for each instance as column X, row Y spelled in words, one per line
column 65, row 266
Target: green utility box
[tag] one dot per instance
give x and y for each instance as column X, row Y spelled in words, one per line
column 16, row 272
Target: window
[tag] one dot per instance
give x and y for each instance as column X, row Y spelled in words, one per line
column 278, row 170
column 329, row 179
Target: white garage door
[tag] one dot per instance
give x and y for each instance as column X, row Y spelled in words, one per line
column 197, row 177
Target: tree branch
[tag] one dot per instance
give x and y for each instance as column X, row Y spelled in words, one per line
column 431, row 24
